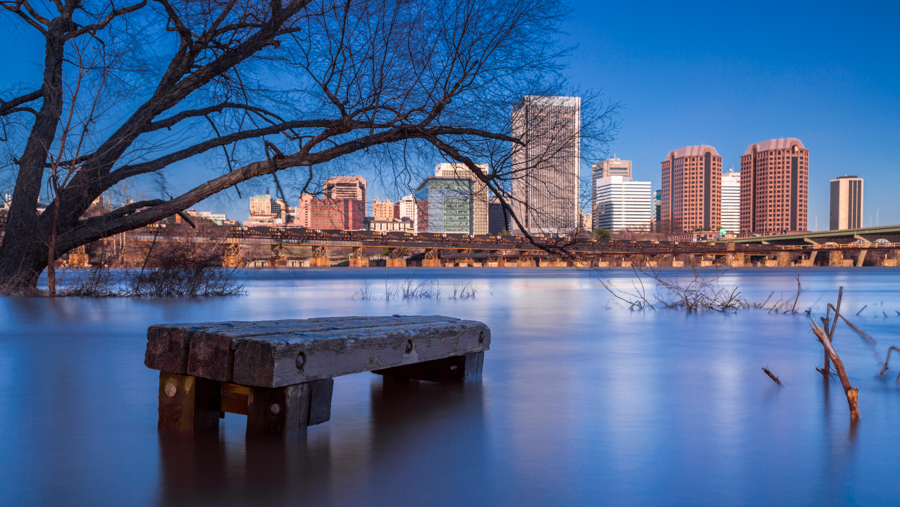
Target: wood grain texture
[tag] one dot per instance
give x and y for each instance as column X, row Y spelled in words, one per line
column 282, row 411
column 320, row 401
column 287, row 352
column 188, row 404
column 234, row 399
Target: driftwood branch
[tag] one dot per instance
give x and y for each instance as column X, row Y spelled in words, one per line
column 771, row 376
column 884, row 369
column 851, row 392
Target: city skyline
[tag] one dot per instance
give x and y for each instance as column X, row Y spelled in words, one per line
column 796, row 82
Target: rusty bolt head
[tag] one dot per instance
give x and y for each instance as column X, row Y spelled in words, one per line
column 170, row 389
column 275, row 409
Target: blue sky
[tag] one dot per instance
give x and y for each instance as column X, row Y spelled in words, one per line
column 726, row 74
column 730, row 74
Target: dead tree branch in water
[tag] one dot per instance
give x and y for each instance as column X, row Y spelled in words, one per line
column 799, row 290
column 771, row 376
column 884, row 369
column 851, row 392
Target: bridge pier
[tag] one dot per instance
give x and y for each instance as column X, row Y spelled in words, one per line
column 526, row 262
column 890, row 259
column 432, row 259
column 783, row 259
column 835, row 259
column 320, row 258
column 232, row 257
column 862, row 257
column 277, row 259
column 358, row 258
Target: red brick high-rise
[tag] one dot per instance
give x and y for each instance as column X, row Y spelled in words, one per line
column 692, row 188
column 774, row 187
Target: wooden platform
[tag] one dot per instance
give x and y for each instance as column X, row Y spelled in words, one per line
column 279, row 373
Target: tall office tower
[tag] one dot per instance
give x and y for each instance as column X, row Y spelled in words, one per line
column 261, row 204
column 846, row 203
column 731, row 202
column 604, row 169
column 481, row 197
column 546, row 170
column 774, row 187
column 346, row 187
column 691, row 188
column 382, row 210
column 623, row 204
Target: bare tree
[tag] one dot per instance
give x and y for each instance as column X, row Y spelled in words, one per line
column 261, row 89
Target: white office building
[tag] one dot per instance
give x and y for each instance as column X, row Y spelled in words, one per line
column 622, row 203
column 731, row 202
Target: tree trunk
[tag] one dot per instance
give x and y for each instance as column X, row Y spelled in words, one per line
column 22, row 259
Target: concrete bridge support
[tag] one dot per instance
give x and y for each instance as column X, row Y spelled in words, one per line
column 835, row 258
column 526, row 262
column 277, row 259
column 783, row 259
column 890, row 259
column 395, row 258
column 358, row 258
column 320, row 258
column 232, row 257
column 432, row 259
column 861, row 258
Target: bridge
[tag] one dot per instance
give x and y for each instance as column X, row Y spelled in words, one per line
column 872, row 246
column 434, row 250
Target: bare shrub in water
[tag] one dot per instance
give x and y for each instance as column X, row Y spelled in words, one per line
column 693, row 292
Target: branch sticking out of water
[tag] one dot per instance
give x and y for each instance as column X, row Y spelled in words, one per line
column 885, row 368
column 851, row 392
column 773, row 377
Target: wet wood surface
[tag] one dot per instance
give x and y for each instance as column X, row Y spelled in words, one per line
column 280, row 353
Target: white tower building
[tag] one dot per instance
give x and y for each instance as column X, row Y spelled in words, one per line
column 731, row 202
column 622, row 203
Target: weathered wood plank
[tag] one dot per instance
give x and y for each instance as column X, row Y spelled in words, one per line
column 282, row 411
column 320, row 401
column 292, row 359
column 188, row 404
column 169, row 346
column 234, row 398
column 465, row 368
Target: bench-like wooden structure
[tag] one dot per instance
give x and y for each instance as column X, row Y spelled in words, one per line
column 280, row 373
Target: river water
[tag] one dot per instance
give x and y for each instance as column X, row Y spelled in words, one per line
column 583, row 401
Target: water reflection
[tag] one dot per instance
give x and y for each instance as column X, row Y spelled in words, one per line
column 582, row 402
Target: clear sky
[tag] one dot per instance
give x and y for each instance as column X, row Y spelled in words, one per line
column 730, row 74
column 726, row 74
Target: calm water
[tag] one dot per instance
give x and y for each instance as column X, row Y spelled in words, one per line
column 583, row 402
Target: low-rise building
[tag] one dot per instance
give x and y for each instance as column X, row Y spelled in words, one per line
column 330, row 214
column 446, row 205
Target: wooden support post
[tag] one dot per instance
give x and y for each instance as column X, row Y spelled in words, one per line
column 188, row 404
column 466, row 368
column 279, row 411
